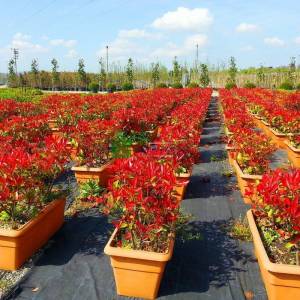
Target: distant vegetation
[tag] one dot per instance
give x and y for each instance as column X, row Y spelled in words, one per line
column 21, row 94
column 134, row 75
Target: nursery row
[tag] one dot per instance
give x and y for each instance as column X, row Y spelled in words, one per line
column 142, row 190
column 275, row 194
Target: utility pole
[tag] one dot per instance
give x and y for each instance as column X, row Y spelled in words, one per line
column 15, row 58
column 107, row 59
column 197, row 55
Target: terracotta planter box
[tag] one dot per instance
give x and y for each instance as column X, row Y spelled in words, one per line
column 282, row 281
column 231, row 153
column 16, row 246
column 293, row 154
column 244, row 180
column 52, row 123
column 101, row 174
column 73, row 151
column 137, row 273
column 278, row 138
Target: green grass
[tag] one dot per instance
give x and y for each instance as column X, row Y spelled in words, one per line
column 21, row 94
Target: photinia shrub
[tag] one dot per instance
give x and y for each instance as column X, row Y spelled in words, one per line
column 141, row 193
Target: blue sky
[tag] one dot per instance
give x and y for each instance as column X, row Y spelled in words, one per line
column 255, row 32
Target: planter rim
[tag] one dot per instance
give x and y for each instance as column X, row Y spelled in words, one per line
column 137, row 254
column 245, row 176
column 277, row 133
column 92, row 169
column 184, row 175
column 28, row 225
column 264, row 122
column 229, row 147
column 292, row 147
column 270, row 266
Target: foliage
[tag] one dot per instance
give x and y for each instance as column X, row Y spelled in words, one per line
column 286, row 85
column 177, row 72
column 142, row 189
column 12, row 76
column 21, row 94
column 81, row 72
column 162, row 85
column 278, row 211
column 27, row 178
column 90, row 189
column 239, row 229
column 230, row 85
column 92, row 140
column 102, row 75
column 232, row 72
column 204, row 76
column 177, row 85
column 55, row 74
column 94, row 87
column 111, row 87
column 127, row 86
column 249, row 85
column 193, row 85
column 130, row 71
column 155, row 76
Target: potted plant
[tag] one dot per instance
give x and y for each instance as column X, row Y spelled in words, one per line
column 275, row 225
column 293, row 149
column 252, row 152
column 92, row 140
column 31, row 211
column 142, row 200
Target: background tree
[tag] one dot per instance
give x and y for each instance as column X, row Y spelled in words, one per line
column 35, row 73
column 260, row 76
column 232, row 72
column 82, row 74
column 204, row 75
column 12, row 76
column 55, row 74
column 155, row 76
column 102, row 75
column 292, row 71
column 130, row 71
column 176, row 71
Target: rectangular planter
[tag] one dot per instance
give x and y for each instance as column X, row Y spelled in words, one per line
column 16, row 246
column 282, row 281
column 244, row 180
column 231, row 154
column 293, row 154
column 278, row 138
column 137, row 273
column 101, row 174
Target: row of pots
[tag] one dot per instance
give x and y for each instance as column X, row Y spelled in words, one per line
column 280, row 140
column 282, row 281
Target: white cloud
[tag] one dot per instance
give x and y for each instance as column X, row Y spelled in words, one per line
column 64, row 43
column 189, row 45
column 274, row 41
column 247, row 48
column 246, row 27
column 121, row 49
column 24, row 44
column 297, row 40
column 184, row 19
column 72, row 53
column 138, row 34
